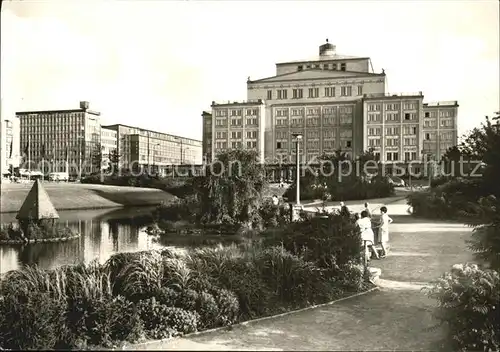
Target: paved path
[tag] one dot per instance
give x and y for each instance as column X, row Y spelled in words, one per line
column 396, row 317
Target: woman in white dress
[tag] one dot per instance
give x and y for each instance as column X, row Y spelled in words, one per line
column 365, row 226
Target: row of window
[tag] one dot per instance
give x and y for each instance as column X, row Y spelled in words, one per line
column 392, row 142
column 236, row 112
column 315, row 134
column 235, row 145
column 299, row 121
column 327, row 144
column 410, row 105
column 237, row 122
column 393, row 130
column 442, row 113
column 327, row 92
column 392, row 117
column 443, row 136
column 236, row 135
column 340, row 66
column 443, row 123
column 331, row 110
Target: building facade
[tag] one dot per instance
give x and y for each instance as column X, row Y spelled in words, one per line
column 439, row 128
column 9, row 137
column 140, row 148
column 109, row 144
column 59, row 140
column 238, row 125
column 207, row 136
column 336, row 102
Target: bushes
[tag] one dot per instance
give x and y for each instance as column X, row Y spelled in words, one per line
column 159, row 294
column 448, row 200
column 468, row 300
column 348, row 188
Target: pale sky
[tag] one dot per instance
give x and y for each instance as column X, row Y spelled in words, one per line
column 159, row 64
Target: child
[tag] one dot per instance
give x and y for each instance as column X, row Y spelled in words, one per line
column 367, row 209
column 385, row 220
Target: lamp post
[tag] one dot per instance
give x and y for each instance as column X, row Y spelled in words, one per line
column 298, row 137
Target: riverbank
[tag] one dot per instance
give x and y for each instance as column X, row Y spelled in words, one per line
column 76, row 196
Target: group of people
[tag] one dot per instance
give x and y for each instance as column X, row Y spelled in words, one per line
column 366, row 226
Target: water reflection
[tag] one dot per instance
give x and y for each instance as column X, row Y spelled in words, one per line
column 103, row 233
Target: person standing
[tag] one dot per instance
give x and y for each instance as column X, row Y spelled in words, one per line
column 385, row 220
column 367, row 209
column 344, row 210
column 367, row 235
column 276, row 200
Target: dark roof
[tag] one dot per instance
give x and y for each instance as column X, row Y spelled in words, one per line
column 37, row 205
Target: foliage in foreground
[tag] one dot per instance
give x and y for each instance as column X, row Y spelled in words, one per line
column 41, row 231
column 468, row 306
column 161, row 294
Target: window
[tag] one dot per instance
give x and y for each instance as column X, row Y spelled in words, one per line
column 297, row 94
column 220, row 122
column 410, row 141
column 360, row 90
column 374, row 131
column 269, row 95
column 236, row 122
column 312, row 144
column 374, row 107
column 329, row 91
column 328, row 134
column 342, row 66
column 300, row 68
column 297, row 121
column 235, row 135
column 313, row 92
column 251, row 121
column 374, row 142
column 427, row 136
column 410, row 106
column 312, row 134
column 236, row 112
column 427, row 114
column 251, row 144
column 219, row 113
column 348, row 144
column 235, row 145
column 345, row 91
column 334, row 67
column 282, row 94
column 329, row 111
column 392, row 116
column 281, row 145
column 283, row 112
column 373, row 117
column 328, row 144
column 312, row 121
column 325, row 67
column 252, row 112
column 251, row 134
column 346, row 119
column 410, row 116
column 313, row 111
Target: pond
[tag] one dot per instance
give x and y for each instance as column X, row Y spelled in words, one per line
column 103, row 234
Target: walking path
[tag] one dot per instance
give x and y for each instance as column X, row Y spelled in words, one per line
column 395, row 317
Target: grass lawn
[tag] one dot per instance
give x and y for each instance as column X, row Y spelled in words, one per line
column 66, row 196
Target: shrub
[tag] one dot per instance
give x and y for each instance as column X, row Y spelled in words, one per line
column 274, row 215
column 468, row 300
column 326, row 242
column 161, row 321
column 228, row 305
column 210, row 314
column 294, row 281
column 446, row 201
column 31, row 320
column 103, row 322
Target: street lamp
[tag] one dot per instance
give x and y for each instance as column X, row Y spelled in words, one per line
column 298, row 137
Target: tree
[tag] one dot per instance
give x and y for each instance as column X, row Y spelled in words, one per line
column 114, row 161
column 231, row 190
column 96, row 157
